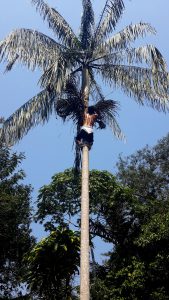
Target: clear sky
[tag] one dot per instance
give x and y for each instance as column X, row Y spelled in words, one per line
column 48, row 148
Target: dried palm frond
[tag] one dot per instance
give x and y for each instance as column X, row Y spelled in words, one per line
column 87, row 23
column 57, row 23
column 37, row 110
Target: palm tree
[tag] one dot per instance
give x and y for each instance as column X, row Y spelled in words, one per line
column 139, row 72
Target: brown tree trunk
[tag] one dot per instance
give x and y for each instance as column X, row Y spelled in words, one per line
column 84, row 252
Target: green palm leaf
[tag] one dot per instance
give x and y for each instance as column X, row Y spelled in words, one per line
column 31, row 48
column 57, row 23
column 87, row 24
column 37, row 110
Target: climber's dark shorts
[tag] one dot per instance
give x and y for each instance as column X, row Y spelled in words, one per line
column 84, row 137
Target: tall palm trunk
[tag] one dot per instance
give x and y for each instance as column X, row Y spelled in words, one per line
column 84, row 257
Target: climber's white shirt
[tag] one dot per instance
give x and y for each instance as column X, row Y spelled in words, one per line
column 88, row 129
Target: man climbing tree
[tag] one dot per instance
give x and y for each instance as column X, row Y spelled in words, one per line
column 85, row 136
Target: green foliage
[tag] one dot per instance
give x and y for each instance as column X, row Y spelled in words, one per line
column 146, row 171
column 136, row 226
column 127, row 282
column 156, row 229
column 15, row 217
column 137, row 268
column 52, row 264
column 60, row 200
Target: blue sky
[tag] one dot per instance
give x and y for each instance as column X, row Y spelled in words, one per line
column 48, row 148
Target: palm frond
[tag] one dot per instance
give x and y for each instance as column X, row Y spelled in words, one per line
column 31, row 48
column 71, row 108
column 113, row 124
column 60, row 72
column 103, row 107
column 122, row 39
column 72, row 88
column 107, row 112
column 146, row 86
column 95, row 89
column 145, row 54
column 2, row 120
column 57, row 23
column 87, row 23
column 11, row 63
column 37, row 110
column 111, row 14
column 57, row 74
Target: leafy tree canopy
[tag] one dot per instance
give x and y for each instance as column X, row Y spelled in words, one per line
column 147, row 170
column 59, row 201
column 15, row 218
column 52, row 264
column 138, row 266
column 132, row 219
